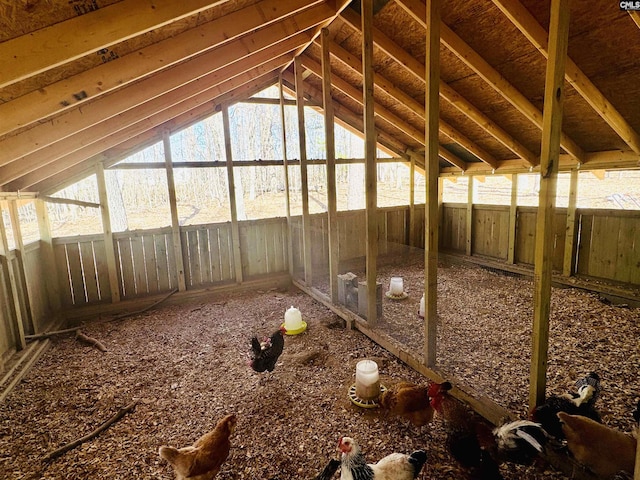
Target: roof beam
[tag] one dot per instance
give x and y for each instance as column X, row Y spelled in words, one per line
column 66, row 41
column 155, row 112
column 99, row 80
column 490, row 75
column 416, row 107
column 537, row 35
column 384, row 114
column 635, row 16
column 413, row 66
column 352, row 121
column 106, row 106
column 171, row 119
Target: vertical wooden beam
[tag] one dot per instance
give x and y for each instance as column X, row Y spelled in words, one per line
column 571, row 236
column 469, row 238
column 554, row 94
column 285, row 162
column 233, row 205
column 432, row 171
column 412, row 201
column 513, row 219
column 173, row 207
column 302, row 140
column 109, row 248
column 329, row 130
column 21, row 343
column 23, row 279
column 370, row 155
column 46, row 244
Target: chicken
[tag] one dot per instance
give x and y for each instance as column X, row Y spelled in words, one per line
column 397, row 466
column 602, row 449
column 266, row 354
column 408, row 400
column 202, row 460
column 519, row 442
column 582, row 403
column 469, row 437
column 329, row 470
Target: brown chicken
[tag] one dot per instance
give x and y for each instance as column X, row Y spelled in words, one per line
column 202, row 460
column 604, row 450
column 409, row 401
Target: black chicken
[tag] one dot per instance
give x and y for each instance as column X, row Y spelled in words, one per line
column 266, row 355
column 581, row 403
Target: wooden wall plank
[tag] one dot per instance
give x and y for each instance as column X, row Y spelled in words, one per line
column 140, row 273
column 60, row 254
column 194, row 257
column 150, row 262
column 230, row 264
column 215, row 254
column 205, row 256
column 162, row 262
column 102, row 269
column 90, row 274
column 75, row 272
column 127, row 272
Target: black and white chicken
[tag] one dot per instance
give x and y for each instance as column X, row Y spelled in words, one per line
column 265, row 354
column 580, row 403
column 519, row 442
column 396, row 466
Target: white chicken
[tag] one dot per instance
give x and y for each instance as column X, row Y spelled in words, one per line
column 397, row 466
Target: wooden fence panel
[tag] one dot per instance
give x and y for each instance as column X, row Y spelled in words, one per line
column 150, row 263
column 125, row 267
column 75, row 272
column 225, row 253
column 490, row 231
column 60, row 255
column 165, row 271
column 351, row 235
column 608, row 245
column 526, row 224
column 90, row 274
column 453, row 228
column 38, row 296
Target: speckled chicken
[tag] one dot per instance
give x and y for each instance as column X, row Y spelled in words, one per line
column 396, row 466
column 203, row 459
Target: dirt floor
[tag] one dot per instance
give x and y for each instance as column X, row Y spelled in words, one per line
column 186, row 365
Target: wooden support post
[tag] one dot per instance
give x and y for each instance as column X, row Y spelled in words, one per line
column 49, row 265
column 110, row 252
column 12, row 284
column 370, row 155
column 22, row 276
column 554, row 94
column 469, row 239
column 432, row 171
column 173, row 207
column 412, row 201
column 302, row 140
column 285, row 162
column 329, row 129
column 233, row 204
column 513, row 219
column 571, row 236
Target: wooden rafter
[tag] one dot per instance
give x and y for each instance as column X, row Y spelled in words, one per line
column 490, row 75
column 147, row 123
column 57, row 178
column 417, row 69
column 265, row 43
column 348, row 118
column 58, row 44
column 537, row 35
column 383, row 113
column 406, row 100
column 635, row 16
column 119, row 72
